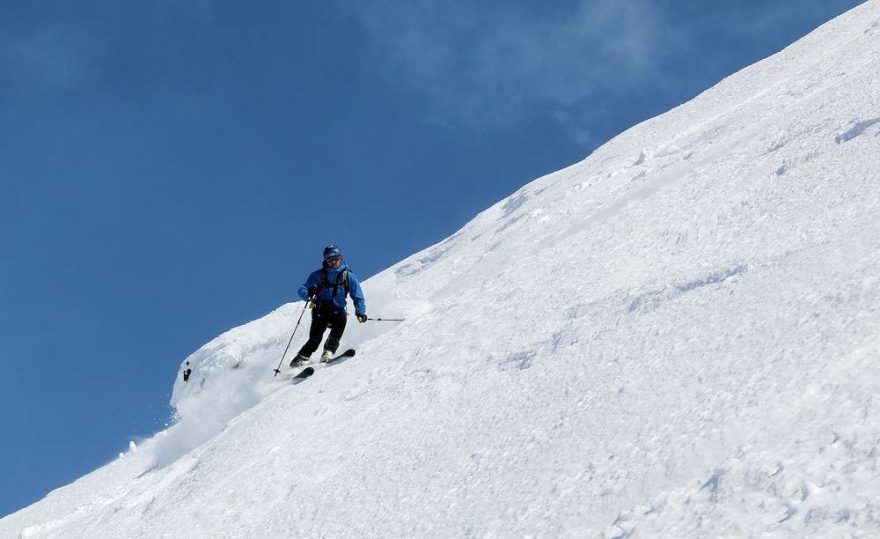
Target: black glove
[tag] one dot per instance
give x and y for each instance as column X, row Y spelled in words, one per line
column 362, row 318
column 313, row 291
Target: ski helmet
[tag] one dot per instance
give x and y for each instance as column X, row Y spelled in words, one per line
column 332, row 251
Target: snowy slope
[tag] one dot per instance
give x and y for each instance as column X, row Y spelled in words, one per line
column 676, row 337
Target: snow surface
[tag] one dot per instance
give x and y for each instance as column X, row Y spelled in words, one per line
column 676, row 337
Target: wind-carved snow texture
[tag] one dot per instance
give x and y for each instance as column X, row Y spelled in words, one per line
column 652, row 299
column 857, row 129
column 429, row 257
column 676, row 337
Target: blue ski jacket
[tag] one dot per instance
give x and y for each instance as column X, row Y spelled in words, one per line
column 328, row 284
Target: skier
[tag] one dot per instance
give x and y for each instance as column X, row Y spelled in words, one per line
column 325, row 290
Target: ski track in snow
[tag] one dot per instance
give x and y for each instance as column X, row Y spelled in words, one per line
column 675, row 337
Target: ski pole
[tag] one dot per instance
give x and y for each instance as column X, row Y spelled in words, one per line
column 387, row 319
column 278, row 370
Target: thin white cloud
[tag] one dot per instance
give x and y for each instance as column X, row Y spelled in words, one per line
column 55, row 57
column 499, row 65
column 63, row 53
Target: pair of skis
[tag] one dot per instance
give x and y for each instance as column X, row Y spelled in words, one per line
column 308, row 371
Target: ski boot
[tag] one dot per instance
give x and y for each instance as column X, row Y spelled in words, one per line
column 327, row 356
column 298, row 360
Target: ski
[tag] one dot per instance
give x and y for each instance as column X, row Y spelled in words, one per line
column 305, row 373
column 344, row 355
column 308, row 371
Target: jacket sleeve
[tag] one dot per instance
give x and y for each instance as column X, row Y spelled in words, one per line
column 313, row 280
column 357, row 295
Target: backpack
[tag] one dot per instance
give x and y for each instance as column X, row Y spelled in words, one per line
column 341, row 278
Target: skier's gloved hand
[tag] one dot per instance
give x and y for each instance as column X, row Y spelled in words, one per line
column 362, row 318
column 313, row 296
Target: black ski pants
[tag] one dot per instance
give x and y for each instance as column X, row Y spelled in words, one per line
column 323, row 318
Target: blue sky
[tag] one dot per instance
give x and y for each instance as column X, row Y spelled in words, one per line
column 169, row 170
